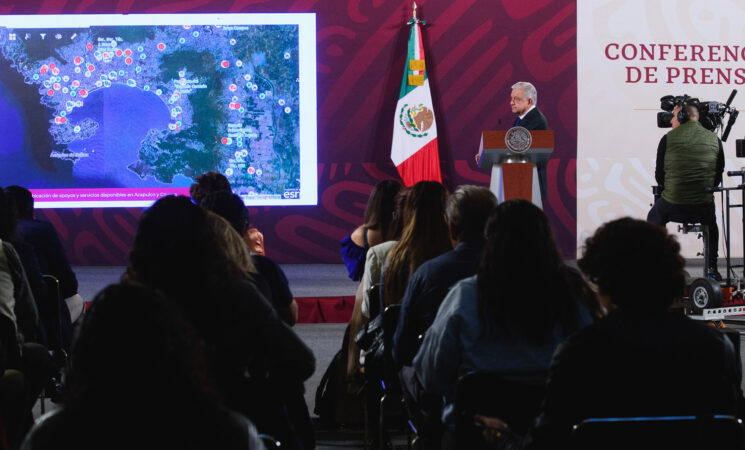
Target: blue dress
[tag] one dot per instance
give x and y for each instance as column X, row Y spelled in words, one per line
column 354, row 256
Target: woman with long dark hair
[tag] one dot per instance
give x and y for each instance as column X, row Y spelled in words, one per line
column 375, row 229
column 424, row 236
column 512, row 315
column 258, row 362
column 138, row 379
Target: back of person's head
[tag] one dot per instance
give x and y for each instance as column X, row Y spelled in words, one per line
column 175, row 249
column 7, row 218
column 467, row 210
column 233, row 247
column 397, row 218
column 380, row 207
column 208, row 183
column 138, row 378
column 22, row 201
column 424, row 236
column 636, row 264
column 135, row 344
column 521, row 279
column 230, row 206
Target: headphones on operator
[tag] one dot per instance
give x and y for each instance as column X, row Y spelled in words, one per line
column 683, row 115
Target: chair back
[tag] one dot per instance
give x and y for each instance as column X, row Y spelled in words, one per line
column 722, row 432
column 11, row 347
column 374, row 297
column 52, row 323
column 514, row 397
column 389, row 322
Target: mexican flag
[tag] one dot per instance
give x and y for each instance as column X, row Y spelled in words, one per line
column 414, row 148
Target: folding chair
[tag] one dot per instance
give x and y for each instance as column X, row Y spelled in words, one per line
column 722, row 432
column 515, row 397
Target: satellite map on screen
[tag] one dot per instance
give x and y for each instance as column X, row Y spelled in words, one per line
column 151, row 106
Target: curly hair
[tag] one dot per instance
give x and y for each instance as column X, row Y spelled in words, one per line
column 635, row 263
column 206, row 184
column 520, row 250
column 425, row 235
column 229, row 206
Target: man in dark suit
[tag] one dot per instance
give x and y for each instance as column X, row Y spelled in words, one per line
column 523, row 101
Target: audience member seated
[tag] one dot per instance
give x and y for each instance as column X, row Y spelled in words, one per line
column 138, row 381
column 374, row 260
column 643, row 359
column 259, row 363
column 376, row 257
column 267, row 274
column 212, row 182
column 31, row 360
column 374, row 230
column 206, row 184
column 47, row 246
column 500, row 319
column 467, row 210
column 48, row 258
column 424, row 236
column 18, row 302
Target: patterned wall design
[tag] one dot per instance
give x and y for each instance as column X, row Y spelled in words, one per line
column 475, row 50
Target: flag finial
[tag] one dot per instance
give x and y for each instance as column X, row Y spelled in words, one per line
column 414, row 11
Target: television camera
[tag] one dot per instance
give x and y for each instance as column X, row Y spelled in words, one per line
column 711, row 113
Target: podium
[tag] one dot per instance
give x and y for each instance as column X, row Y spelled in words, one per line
column 513, row 155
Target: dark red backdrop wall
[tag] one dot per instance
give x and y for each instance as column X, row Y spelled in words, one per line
column 475, row 50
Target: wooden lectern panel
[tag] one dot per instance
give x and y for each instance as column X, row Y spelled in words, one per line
column 541, row 139
column 517, row 179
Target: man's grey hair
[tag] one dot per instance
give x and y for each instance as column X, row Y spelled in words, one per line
column 528, row 89
column 467, row 210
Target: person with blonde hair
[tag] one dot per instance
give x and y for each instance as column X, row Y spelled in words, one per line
column 267, row 274
column 234, row 247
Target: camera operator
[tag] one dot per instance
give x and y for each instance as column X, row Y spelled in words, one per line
column 690, row 159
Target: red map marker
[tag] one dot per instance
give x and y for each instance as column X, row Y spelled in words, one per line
column 78, row 60
column 91, row 67
column 225, row 64
column 161, row 46
column 89, row 46
column 83, row 93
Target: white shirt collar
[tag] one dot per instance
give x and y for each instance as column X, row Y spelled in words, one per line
column 526, row 112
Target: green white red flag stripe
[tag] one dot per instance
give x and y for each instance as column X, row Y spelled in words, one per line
column 414, row 148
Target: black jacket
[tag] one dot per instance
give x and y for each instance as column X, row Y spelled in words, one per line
column 638, row 364
column 534, row 120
